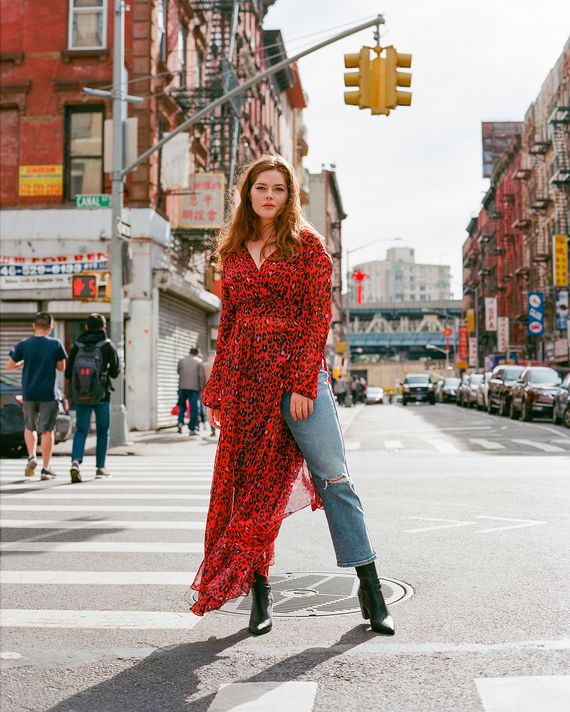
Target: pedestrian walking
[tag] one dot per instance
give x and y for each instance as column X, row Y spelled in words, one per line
column 39, row 357
column 340, row 390
column 93, row 362
column 190, row 385
column 280, row 445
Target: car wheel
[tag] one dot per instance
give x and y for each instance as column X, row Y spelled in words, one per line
column 526, row 412
column 432, row 401
column 566, row 417
column 490, row 408
column 504, row 407
column 404, row 401
column 513, row 411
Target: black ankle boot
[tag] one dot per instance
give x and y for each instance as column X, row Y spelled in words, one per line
column 372, row 603
column 261, row 606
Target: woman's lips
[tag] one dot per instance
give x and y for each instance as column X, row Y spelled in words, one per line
column 268, row 205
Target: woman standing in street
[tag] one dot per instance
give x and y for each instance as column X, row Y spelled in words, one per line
column 280, row 445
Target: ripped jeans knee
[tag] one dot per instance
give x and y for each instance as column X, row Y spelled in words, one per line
column 335, row 480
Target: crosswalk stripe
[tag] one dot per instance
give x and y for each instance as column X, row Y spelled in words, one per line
column 545, row 447
column 99, row 508
column 6, row 481
column 97, row 486
column 108, row 547
column 98, row 578
column 119, row 620
column 524, row 694
column 393, row 445
column 71, row 494
column 93, row 524
column 263, row 696
column 441, row 445
column 487, row 444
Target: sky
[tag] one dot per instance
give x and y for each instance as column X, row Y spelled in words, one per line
column 417, row 174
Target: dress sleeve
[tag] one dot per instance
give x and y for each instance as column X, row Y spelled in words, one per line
column 315, row 319
column 212, row 395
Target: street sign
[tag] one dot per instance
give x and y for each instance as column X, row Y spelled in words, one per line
column 92, row 201
column 124, row 225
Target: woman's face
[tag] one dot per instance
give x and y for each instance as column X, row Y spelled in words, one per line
column 269, row 195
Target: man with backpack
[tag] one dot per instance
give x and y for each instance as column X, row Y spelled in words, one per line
column 39, row 356
column 92, row 363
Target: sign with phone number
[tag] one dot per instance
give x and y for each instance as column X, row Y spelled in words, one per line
column 47, row 272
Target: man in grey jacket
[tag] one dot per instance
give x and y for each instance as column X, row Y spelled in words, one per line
column 191, row 381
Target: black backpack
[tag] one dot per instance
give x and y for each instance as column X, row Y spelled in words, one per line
column 89, row 378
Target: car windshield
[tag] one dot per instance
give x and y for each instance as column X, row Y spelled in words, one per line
column 544, row 375
column 511, row 374
column 9, row 381
column 451, row 382
column 476, row 379
column 417, row 379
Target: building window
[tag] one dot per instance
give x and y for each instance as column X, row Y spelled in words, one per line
column 182, row 54
column 161, row 23
column 87, row 24
column 199, row 68
column 83, row 150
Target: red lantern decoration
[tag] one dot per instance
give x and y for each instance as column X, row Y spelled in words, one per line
column 359, row 277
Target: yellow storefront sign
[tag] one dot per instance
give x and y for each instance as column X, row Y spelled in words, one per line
column 471, row 321
column 40, row 180
column 560, row 261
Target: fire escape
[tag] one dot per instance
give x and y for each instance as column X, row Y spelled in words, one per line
column 538, row 239
column 559, row 123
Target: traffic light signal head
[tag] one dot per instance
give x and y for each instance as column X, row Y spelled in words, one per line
column 360, row 79
column 396, row 79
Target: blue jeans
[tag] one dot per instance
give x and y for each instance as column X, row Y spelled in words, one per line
column 320, row 440
column 185, row 395
column 102, row 422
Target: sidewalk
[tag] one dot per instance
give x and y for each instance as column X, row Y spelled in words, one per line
column 155, row 442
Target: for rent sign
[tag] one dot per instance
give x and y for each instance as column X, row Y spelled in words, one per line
column 48, row 272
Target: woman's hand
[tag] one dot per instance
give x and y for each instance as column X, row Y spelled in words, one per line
column 301, row 407
column 213, row 416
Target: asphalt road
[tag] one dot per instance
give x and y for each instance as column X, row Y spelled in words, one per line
column 468, row 511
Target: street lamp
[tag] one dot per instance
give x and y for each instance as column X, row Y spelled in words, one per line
column 433, row 347
column 348, row 397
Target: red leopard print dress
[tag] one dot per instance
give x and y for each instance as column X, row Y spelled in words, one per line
column 271, row 338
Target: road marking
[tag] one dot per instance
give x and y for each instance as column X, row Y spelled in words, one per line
column 71, row 494
column 109, row 547
column 98, row 578
column 545, row 447
column 487, row 444
column 451, row 523
column 393, row 445
column 524, row 694
column 441, row 445
column 95, row 524
column 99, row 508
column 121, row 620
column 524, row 523
column 89, row 486
column 263, row 696
column 8, row 481
column 351, row 445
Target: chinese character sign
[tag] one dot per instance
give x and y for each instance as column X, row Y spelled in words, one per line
column 473, row 351
column 203, row 205
column 462, row 349
column 560, row 261
column 536, row 313
column 491, row 313
column 471, row 321
column 503, row 334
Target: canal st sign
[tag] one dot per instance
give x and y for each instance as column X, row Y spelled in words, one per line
column 92, row 201
column 536, row 313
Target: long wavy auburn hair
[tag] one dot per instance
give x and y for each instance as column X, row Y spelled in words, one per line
column 242, row 223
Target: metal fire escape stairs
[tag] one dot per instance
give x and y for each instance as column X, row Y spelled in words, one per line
column 559, row 123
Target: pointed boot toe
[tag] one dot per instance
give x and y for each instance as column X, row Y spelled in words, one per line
column 374, row 609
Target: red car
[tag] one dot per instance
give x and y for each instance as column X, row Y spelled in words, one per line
column 534, row 392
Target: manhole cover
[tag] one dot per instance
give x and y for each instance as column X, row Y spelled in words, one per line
column 316, row 593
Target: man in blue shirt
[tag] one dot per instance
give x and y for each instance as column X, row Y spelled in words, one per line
column 39, row 357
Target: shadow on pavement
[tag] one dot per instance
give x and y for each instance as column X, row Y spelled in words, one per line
column 169, row 679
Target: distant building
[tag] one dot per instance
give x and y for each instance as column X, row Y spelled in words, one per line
column 399, row 278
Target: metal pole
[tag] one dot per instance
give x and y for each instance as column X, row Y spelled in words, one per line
column 348, row 395
column 378, row 20
column 119, row 429
column 477, row 325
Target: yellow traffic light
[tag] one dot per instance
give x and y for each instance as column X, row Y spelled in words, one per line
column 395, row 79
column 360, row 79
column 378, row 86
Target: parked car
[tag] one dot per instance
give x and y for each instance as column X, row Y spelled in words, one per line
column 446, row 389
column 462, row 389
column 470, row 392
column 533, row 393
column 418, row 387
column 483, row 391
column 561, row 407
column 12, row 417
column 503, row 378
column 374, row 394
